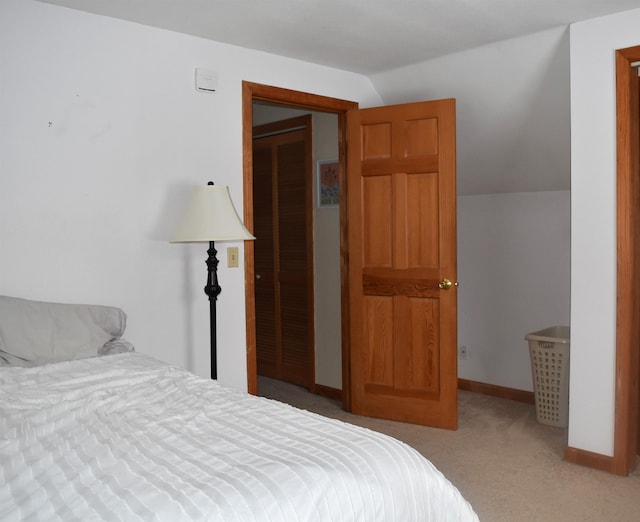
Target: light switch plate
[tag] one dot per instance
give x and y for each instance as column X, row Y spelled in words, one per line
column 232, row 257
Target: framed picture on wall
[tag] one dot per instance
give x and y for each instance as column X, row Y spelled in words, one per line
column 328, row 183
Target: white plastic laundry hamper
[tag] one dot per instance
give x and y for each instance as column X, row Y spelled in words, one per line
column 549, row 351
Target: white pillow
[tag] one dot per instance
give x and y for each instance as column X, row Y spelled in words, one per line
column 41, row 332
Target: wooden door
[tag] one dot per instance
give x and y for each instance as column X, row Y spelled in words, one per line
column 402, row 251
column 283, row 250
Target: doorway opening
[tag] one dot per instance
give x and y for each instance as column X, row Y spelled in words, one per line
column 253, row 93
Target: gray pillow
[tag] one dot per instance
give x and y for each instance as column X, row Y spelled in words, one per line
column 39, row 332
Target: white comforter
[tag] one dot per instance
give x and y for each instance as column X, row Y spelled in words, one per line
column 126, row 437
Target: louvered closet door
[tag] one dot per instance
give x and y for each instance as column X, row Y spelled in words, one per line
column 283, row 259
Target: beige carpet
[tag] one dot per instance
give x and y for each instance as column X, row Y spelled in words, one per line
column 507, row 465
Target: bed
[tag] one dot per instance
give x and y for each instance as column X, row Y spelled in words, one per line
column 119, row 435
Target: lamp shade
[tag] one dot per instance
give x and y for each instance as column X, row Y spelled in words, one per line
column 211, row 216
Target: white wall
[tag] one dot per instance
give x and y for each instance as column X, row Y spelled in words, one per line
column 327, row 268
column 593, row 216
column 513, row 268
column 102, row 136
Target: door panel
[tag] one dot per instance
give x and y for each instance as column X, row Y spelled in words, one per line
column 377, row 221
column 402, row 243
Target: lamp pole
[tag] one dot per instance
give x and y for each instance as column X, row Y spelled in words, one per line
column 213, row 289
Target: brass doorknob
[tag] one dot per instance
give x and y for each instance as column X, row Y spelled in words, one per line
column 445, row 284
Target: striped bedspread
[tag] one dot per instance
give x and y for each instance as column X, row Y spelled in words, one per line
column 126, row 437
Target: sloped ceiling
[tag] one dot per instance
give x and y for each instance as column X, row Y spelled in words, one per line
column 366, row 36
column 513, row 110
column 513, row 136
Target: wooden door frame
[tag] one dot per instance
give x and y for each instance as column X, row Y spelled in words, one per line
column 258, row 92
column 628, row 219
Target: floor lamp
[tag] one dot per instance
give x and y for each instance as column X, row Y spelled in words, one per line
column 211, row 217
